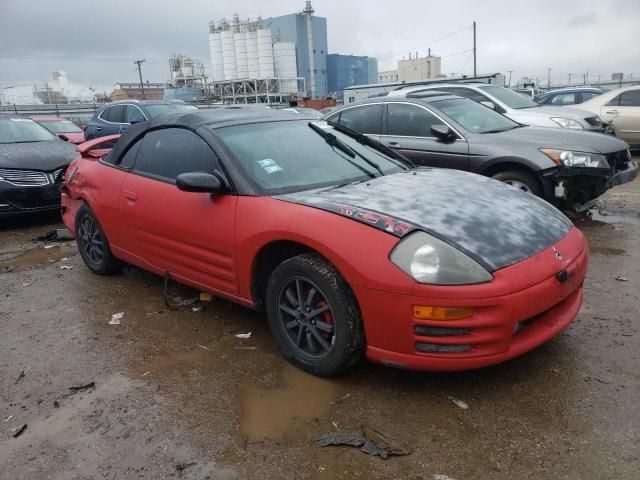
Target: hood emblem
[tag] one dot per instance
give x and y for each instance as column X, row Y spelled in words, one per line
column 557, row 253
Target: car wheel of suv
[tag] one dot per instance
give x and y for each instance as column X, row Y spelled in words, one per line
column 313, row 315
column 521, row 180
column 93, row 245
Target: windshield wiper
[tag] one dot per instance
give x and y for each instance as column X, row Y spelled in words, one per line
column 334, row 141
column 364, row 140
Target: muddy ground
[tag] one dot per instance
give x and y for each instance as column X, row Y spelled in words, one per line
column 178, row 395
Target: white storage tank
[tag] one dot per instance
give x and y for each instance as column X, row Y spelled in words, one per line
column 284, row 60
column 240, row 40
column 215, row 50
column 228, row 54
column 253, row 69
column 265, row 53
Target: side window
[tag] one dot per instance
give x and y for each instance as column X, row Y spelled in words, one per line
column 630, row 98
column 116, row 114
column 410, row 120
column 133, row 113
column 614, row 102
column 588, row 96
column 467, row 93
column 104, row 114
column 167, row 153
column 364, row 119
column 128, row 160
column 563, row 99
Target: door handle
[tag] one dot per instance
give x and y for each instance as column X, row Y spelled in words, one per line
column 98, row 129
column 129, row 195
column 394, row 144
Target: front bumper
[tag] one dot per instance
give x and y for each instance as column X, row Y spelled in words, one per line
column 17, row 200
column 502, row 327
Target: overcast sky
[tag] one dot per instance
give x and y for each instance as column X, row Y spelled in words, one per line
column 569, row 36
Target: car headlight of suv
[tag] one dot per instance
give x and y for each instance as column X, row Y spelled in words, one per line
column 570, row 158
column 567, row 123
column 428, row 259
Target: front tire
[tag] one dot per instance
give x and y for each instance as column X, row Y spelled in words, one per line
column 521, row 180
column 313, row 316
column 93, row 244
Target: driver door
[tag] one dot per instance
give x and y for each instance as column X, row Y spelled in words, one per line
column 188, row 234
column 408, row 130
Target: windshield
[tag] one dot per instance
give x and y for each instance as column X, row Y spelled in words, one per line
column 22, row 130
column 163, row 108
column 475, row 117
column 283, row 157
column 60, row 126
column 509, row 97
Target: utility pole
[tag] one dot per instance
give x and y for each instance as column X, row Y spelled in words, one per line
column 510, row 72
column 548, row 78
column 475, row 71
column 569, row 82
column 139, row 63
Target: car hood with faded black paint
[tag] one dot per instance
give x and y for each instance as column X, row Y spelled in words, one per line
column 493, row 223
column 48, row 155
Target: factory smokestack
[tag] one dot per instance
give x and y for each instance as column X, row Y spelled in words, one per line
column 308, row 11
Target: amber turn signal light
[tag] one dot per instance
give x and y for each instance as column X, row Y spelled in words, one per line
column 423, row 312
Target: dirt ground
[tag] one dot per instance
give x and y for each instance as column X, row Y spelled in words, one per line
column 178, row 395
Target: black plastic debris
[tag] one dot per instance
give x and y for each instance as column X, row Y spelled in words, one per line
column 370, row 441
column 77, row 388
column 20, row 377
column 54, row 236
column 180, row 467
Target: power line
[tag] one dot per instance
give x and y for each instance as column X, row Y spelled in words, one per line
column 70, row 58
column 428, row 43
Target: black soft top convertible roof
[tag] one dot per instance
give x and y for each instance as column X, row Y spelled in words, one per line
column 215, row 117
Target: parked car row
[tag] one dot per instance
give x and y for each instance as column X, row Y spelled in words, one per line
column 433, row 127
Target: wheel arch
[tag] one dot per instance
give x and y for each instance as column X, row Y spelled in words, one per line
column 272, row 254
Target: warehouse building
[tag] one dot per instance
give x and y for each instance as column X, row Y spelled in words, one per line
column 346, row 70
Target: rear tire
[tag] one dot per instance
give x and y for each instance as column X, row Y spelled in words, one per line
column 521, row 180
column 313, row 316
column 93, row 244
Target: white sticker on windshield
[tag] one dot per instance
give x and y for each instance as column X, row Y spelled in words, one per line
column 21, row 120
column 269, row 165
column 322, row 124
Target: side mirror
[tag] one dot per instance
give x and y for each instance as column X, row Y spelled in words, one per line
column 62, row 136
column 136, row 120
column 489, row 104
column 442, row 132
column 200, row 182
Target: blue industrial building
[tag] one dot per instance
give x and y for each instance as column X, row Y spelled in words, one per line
column 347, row 70
column 293, row 28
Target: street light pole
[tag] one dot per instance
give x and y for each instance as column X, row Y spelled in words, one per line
column 139, row 63
column 475, row 71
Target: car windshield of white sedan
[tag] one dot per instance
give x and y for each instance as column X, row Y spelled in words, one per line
column 162, row 109
column 475, row 117
column 61, row 126
column 509, row 97
column 283, row 157
column 23, row 130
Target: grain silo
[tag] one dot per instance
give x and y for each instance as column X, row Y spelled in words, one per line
column 265, row 53
column 228, row 53
column 284, row 59
column 215, row 50
column 253, row 69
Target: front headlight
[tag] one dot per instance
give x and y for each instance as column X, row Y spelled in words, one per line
column 567, row 123
column 569, row 158
column 429, row 260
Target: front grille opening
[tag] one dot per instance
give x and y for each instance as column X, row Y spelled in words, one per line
column 593, row 121
column 440, row 348
column 429, row 331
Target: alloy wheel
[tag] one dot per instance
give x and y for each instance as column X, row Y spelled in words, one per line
column 91, row 240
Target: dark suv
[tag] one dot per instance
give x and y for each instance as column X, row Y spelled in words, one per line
column 114, row 118
column 566, row 167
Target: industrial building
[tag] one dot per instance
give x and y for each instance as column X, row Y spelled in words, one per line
column 346, row 70
column 414, row 69
column 273, row 59
column 187, row 79
column 133, row 91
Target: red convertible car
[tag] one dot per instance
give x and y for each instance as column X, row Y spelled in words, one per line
column 349, row 249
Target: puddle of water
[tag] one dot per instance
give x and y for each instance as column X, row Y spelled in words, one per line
column 607, row 250
column 275, row 413
column 35, row 257
column 596, row 218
